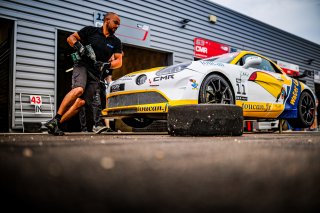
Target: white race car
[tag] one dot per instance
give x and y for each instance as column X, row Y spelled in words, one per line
column 244, row 78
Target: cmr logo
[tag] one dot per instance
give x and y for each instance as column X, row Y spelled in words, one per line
column 201, row 49
column 160, row 78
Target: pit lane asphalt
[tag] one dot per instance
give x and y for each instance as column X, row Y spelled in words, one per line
column 154, row 172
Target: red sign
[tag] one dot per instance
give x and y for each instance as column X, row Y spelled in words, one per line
column 204, row 48
column 290, row 69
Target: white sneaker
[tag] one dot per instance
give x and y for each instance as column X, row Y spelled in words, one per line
column 99, row 129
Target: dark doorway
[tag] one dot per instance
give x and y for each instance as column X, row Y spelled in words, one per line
column 134, row 59
column 6, row 47
column 64, row 77
column 137, row 58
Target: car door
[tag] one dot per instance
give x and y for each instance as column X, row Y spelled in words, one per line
column 267, row 89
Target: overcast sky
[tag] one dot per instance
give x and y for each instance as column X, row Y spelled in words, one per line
column 299, row 17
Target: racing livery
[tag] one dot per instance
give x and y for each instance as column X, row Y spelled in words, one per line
column 244, row 78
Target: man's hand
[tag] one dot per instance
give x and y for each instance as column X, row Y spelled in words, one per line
column 102, row 66
column 80, row 48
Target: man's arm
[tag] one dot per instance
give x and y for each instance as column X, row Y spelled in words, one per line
column 74, row 41
column 73, row 38
column 117, row 62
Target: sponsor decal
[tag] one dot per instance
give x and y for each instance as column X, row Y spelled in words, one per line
column 241, row 98
column 194, row 84
column 151, row 84
column 291, row 103
column 244, row 75
column 117, row 87
column 282, row 95
column 277, row 106
column 256, row 107
column 295, row 92
column 109, row 45
column 165, row 77
column 127, row 77
column 152, row 108
column 263, row 110
column 211, row 63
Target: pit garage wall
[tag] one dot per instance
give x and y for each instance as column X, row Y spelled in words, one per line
column 37, row 23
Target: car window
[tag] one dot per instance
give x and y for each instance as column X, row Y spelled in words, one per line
column 264, row 65
column 225, row 58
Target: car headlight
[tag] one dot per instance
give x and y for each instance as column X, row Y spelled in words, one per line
column 173, row 69
column 141, row 79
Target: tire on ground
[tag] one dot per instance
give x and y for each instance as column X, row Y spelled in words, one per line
column 205, row 120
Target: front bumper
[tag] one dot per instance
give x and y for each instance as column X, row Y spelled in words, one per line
column 146, row 103
column 150, row 104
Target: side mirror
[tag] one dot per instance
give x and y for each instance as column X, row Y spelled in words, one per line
column 252, row 61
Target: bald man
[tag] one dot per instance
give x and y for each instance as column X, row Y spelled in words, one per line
column 87, row 72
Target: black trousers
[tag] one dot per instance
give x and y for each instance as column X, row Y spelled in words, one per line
column 93, row 109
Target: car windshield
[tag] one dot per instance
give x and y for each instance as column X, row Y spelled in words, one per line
column 225, row 58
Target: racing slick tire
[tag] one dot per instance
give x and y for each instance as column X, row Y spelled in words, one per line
column 306, row 111
column 205, row 120
column 137, row 122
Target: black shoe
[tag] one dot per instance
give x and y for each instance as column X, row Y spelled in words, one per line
column 99, row 129
column 58, row 132
column 53, row 127
column 51, row 124
column 109, row 130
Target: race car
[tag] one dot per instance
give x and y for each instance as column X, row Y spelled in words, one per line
column 244, row 78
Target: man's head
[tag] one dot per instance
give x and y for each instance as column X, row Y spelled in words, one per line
column 111, row 23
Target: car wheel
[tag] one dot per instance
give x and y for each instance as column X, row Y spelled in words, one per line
column 205, row 119
column 216, row 90
column 137, row 122
column 306, row 111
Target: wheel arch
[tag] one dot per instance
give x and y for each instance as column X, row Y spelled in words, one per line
column 299, row 121
column 223, row 76
column 310, row 92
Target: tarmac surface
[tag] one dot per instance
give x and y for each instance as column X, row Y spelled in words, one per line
column 154, row 172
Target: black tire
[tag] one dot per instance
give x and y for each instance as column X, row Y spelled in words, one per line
column 306, row 111
column 216, row 90
column 205, row 120
column 137, row 122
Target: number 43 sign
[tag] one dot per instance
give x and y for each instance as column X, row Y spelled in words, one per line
column 36, row 101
